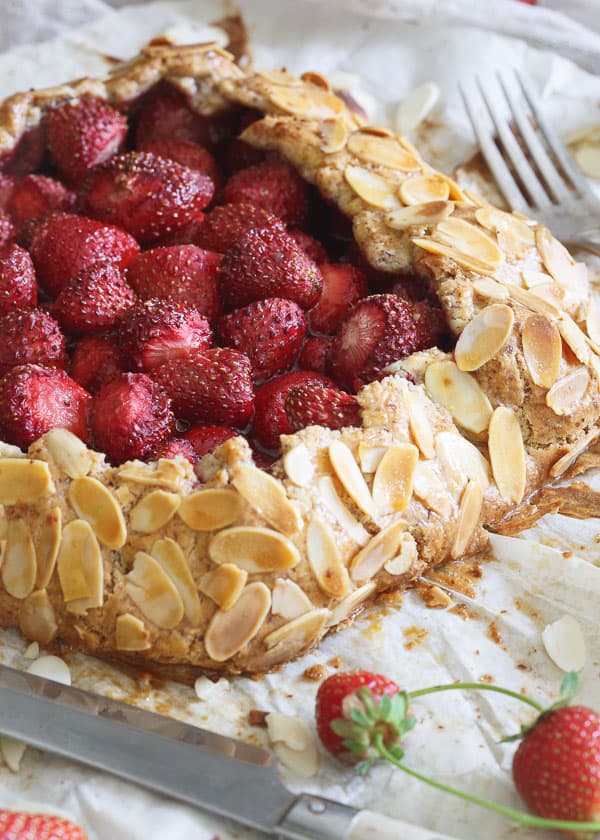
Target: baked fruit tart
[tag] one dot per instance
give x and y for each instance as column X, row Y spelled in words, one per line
column 261, row 363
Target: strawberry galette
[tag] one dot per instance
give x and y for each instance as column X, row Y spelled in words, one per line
column 260, row 363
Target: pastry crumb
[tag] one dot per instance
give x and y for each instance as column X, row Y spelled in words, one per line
column 315, row 673
column 257, row 717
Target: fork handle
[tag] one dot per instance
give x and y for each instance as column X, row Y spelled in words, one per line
column 588, row 239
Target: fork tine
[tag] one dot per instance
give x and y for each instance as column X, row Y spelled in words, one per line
column 495, row 161
column 514, row 151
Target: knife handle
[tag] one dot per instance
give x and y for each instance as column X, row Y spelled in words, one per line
column 368, row 825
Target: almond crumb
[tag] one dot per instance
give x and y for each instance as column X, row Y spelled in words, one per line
column 486, row 678
column 335, row 662
column 315, row 673
column 433, row 597
column 414, row 636
column 257, row 717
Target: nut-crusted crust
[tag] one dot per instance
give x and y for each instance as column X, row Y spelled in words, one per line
column 143, row 564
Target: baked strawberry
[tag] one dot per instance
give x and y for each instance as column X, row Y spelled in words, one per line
column 158, row 332
column 96, row 361
column 164, row 114
column 239, row 155
column 173, row 448
column 63, row 245
column 315, row 353
column 270, row 332
column 35, row 196
column 267, row 263
column 83, row 133
column 188, row 154
column 430, row 324
column 28, row 154
column 227, row 223
column 311, row 246
column 30, row 335
column 7, row 229
column 130, row 417
column 15, row 825
column 18, row 288
column 93, row 301
column 274, row 186
column 270, row 418
column 183, row 274
column 206, row 438
column 7, row 185
column 210, row 386
column 146, row 195
column 35, row 399
column 343, row 286
column 315, row 405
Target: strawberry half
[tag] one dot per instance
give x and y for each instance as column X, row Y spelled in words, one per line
column 36, row 196
column 206, row 438
column 274, row 186
column 7, row 185
column 96, row 361
column 30, row 336
column 164, row 114
column 7, row 229
column 188, row 154
column 315, row 354
column 311, row 246
column 35, row 399
column 15, row 825
column 226, row 224
column 270, row 332
column 28, row 154
column 343, row 286
column 315, row 405
column 175, row 447
column 18, row 288
column 130, row 417
column 146, row 195
column 93, row 301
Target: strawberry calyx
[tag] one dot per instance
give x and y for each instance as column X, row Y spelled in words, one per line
column 568, row 689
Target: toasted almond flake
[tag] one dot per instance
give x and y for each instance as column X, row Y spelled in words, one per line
column 568, row 458
column 406, row 558
column 224, row 585
column 507, row 454
column 370, row 456
column 280, row 77
column 298, row 632
column 469, row 512
column 324, row 560
column 382, row 548
column 565, row 643
column 574, row 338
column 167, row 473
column 476, row 199
column 148, row 586
column 351, row 478
column 460, row 461
column 228, row 632
column 414, row 108
column 172, row 560
column 592, row 321
column 210, row 510
column 254, row 549
column 80, row 568
column 371, row 187
column 94, row 502
column 24, row 480
column 465, row 260
column 305, row 102
column 131, row 633
column 304, row 762
column 207, row 689
column 47, row 545
column 393, row 481
column 497, row 221
column 567, row 392
column 469, row 239
column 488, row 288
column 421, row 189
column 3, row 523
column 289, row 730
column 37, row 620
column 533, row 301
column 51, row 668
column 587, row 156
column 456, row 191
column 349, row 605
column 484, row 336
column 427, row 213
column 460, row 393
column 334, row 134
column 19, row 566
column 70, row 454
column 542, row 348
column 289, row 601
column 153, row 511
column 430, row 489
column 32, row 651
column 330, row 498
column 267, row 496
column 316, row 79
column 382, row 151
column 406, row 144
column 531, row 279
column 12, row 752
column 557, row 260
column 298, row 465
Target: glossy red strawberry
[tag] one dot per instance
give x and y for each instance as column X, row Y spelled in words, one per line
column 164, row 114
column 270, row 332
column 35, row 196
column 206, row 438
column 15, row 825
column 7, row 229
column 226, row 224
column 184, row 274
column 343, row 286
column 311, row 246
column 315, row 405
column 175, row 447
column 274, row 186
column 7, row 185
column 64, row 244
column 96, row 361
column 267, row 263
column 18, row 288
column 188, row 154
column 35, row 399
column 93, row 301
column 28, row 154
column 210, row 386
column 430, row 324
column 158, row 332
column 315, row 354
column 146, row 195
column 30, row 335
column 130, row 417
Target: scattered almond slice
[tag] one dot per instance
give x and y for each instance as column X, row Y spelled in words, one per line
column 542, row 348
column 557, row 260
column 416, row 106
column 330, row 498
column 172, row 560
column 370, row 456
column 507, row 454
column 498, row 220
column 568, row 391
column 460, row 461
column 298, row 465
column 381, row 549
column 95, row 503
column 253, row 549
column 37, row 619
column 488, row 288
column 371, row 187
column 51, row 668
column 70, row 454
column 531, row 279
column 469, row 239
column 428, row 213
column 207, row 689
column 47, row 545
column 574, row 338
column 210, row 510
column 351, row 478
column 587, row 156
column 224, row 585
column 468, row 517
column 420, row 427
column 228, row 632
column 422, row 189
column 267, row 496
column 305, row 102
column 533, row 301
column 80, row 568
column 325, row 561
column 430, row 489
column 32, row 651
column 131, row 633
column 592, row 321
column 20, row 566
column 334, row 135
column 565, row 643
column 460, row 393
column 289, row 601
column 298, row 632
column 484, row 336
column 153, row 511
column 12, row 752
column 350, row 604
column 293, row 743
column 154, row 593
column 24, row 480
column 393, row 481
column 443, row 250
column 406, row 557
column 382, row 151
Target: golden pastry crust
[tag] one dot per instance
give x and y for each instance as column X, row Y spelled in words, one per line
column 243, row 571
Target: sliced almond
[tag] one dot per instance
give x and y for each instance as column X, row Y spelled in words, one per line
column 80, row 568
column 460, row 461
column 334, row 134
column 465, row 260
column 69, row 453
column 418, row 421
column 168, row 473
column 533, row 301
column 393, row 481
column 567, row 392
column 24, row 480
column 224, row 585
column 531, row 279
column 568, row 458
column 304, row 102
column 469, row 512
column 47, row 545
column 172, row 560
column 484, row 336
column 557, row 260
column 428, row 213
column 422, row 189
column 210, row 510
column 19, row 567
column 289, row 601
column 94, row 502
column 131, row 633
column 254, row 549
column 469, row 239
column 316, row 79
column 32, row 651
column 370, row 456
column 565, row 643
column 294, row 744
column 330, row 498
column 153, row 511
column 298, row 632
column 51, row 668
column 507, row 454
column 414, row 108
column 298, row 465
column 460, row 393
column 381, row 549
column 574, row 338
column 592, row 321
column 351, row 478
column 12, row 752
column 228, row 632
column 37, row 620
column 587, row 156
column 542, row 348
column 148, row 586
column 382, row 151
column 430, row 490
column 476, row 199
column 371, row 187
column 267, row 496
column 324, row 560
column 349, row 605
column 281, row 77
column 406, row 558
column 499, row 221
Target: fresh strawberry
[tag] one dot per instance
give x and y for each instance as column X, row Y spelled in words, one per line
column 15, row 825
column 183, row 274
column 93, row 301
column 148, row 196
column 315, row 354
column 83, row 133
column 28, row 154
column 18, row 288
column 311, row 246
column 226, row 224
column 188, row 154
column 35, row 196
column 343, row 286
column 274, row 186
column 158, row 332
column 7, row 185
column 206, row 438
column 315, row 405
column 164, row 114
column 270, row 332
column 63, row 245
column 210, row 386
column 35, row 399
column 30, row 335
column 96, row 361
column 270, row 418
column 241, row 155
column 130, row 417
column 7, row 229
column 174, row 448
column 267, row 263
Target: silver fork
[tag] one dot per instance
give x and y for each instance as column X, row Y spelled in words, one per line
column 529, row 161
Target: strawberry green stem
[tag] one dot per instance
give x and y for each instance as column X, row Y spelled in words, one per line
column 434, row 689
column 518, row 816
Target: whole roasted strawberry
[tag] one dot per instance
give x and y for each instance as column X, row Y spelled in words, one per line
column 316, row 405
column 28, row 154
column 7, row 229
column 274, row 186
column 16, row 825
column 7, row 185
column 343, row 286
column 18, row 288
column 175, row 447
column 35, row 196
column 164, row 114
column 96, row 361
column 311, row 246
column 188, row 154
column 93, row 301
column 30, row 335
column 315, row 354
column 226, row 224
column 206, row 438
